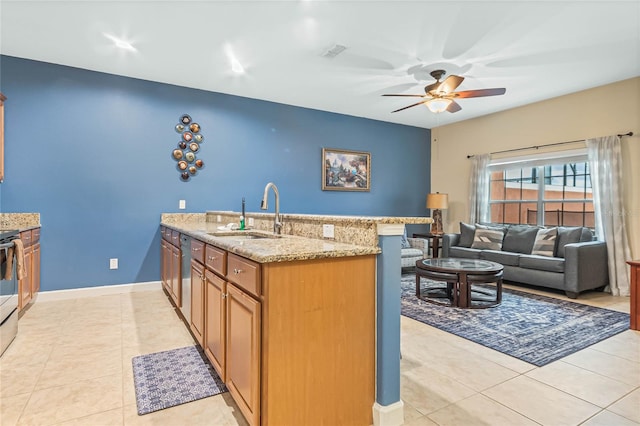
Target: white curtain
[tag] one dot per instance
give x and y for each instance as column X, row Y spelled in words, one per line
column 479, row 191
column 605, row 161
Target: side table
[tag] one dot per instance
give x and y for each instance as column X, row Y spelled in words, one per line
column 635, row 294
column 435, row 242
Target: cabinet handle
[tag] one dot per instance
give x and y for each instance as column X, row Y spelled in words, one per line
column 195, row 249
column 223, row 295
column 236, row 271
column 211, row 257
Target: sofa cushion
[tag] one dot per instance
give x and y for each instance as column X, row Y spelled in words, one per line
column 464, row 252
column 587, row 235
column 411, row 252
column 502, row 257
column 466, row 234
column 542, row 263
column 520, row 239
column 487, row 238
column 567, row 235
column 545, row 242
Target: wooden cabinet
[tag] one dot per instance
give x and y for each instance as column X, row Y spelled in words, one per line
column 35, row 267
column 215, row 322
column 293, row 341
column 176, row 275
column 170, row 265
column 29, row 285
column 243, row 352
column 24, row 285
column 196, row 322
column 233, row 326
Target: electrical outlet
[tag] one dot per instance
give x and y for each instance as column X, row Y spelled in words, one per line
column 250, row 222
column 113, row 263
column 182, row 204
column 218, row 218
column 327, row 231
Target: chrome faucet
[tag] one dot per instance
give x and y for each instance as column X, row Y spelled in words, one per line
column 277, row 225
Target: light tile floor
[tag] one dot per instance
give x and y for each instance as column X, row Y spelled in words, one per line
column 71, row 365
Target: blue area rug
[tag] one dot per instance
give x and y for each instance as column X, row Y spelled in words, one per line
column 169, row 378
column 536, row 329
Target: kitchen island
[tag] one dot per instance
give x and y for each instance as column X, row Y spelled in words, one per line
column 289, row 322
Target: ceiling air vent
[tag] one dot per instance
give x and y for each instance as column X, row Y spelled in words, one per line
column 334, row 51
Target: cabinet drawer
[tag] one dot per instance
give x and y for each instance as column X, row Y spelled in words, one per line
column 165, row 233
column 244, row 273
column 175, row 238
column 216, row 259
column 197, row 250
column 26, row 238
column 35, row 235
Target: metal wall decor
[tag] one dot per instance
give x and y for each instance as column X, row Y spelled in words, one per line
column 187, row 163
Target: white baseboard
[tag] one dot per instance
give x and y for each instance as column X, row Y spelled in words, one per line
column 76, row 293
column 388, row 415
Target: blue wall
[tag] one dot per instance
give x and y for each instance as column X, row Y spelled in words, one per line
column 91, row 152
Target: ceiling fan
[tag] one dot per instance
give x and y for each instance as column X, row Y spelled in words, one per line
column 440, row 96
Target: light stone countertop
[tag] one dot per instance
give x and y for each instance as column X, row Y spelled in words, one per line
column 307, row 243
column 266, row 250
column 19, row 221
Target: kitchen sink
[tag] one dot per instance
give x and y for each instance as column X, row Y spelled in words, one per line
column 243, row 235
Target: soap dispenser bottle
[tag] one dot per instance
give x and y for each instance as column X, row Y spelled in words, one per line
column 242, row 217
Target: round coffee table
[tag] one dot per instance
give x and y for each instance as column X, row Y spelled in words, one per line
column 459, row 276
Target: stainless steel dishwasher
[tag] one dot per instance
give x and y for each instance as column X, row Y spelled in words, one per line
column 185, row 248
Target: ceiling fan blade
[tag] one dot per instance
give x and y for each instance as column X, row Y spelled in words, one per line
column 454, row 107
column 479, row 93
column 450, row 84
column 416, row 104
column 412, row 96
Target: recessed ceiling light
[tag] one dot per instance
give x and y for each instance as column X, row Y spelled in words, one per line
column 236, row 66
column 122, row 44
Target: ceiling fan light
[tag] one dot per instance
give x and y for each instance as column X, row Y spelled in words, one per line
column 438, row 104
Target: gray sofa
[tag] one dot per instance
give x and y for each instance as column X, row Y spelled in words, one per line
column 574, row 262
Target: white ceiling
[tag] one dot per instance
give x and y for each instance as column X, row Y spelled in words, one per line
column 535, row 49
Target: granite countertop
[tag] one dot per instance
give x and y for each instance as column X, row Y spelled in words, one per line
column 19, row 221
column 266, row 250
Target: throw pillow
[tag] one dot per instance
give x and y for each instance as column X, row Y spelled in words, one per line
column 567, row 235
column 466, row 235
column 404, row 243
column 487, row 238
column 520, row 239
column 545, row 242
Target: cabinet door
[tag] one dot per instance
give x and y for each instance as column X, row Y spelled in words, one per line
column 197, row 301
column 243, row 352
column 165, row 268
column 24, row 285
column 35, row 284
column 215, row 319
column 176, row 276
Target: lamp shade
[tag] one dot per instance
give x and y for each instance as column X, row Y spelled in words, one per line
column 437, row 201
column 438, row 104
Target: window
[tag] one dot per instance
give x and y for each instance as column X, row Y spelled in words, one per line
column 542, row 191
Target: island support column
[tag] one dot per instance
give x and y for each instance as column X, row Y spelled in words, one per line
column 388, row 409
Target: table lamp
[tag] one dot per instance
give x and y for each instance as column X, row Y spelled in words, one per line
column 436, row 202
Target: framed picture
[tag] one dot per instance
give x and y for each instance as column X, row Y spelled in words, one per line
column 345, row 170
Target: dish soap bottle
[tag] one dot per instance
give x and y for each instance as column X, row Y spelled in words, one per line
column 242, row 217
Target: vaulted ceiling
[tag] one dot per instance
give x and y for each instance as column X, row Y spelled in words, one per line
column 535, row 49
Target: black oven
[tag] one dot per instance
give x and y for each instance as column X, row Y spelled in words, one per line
column 8, row 290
